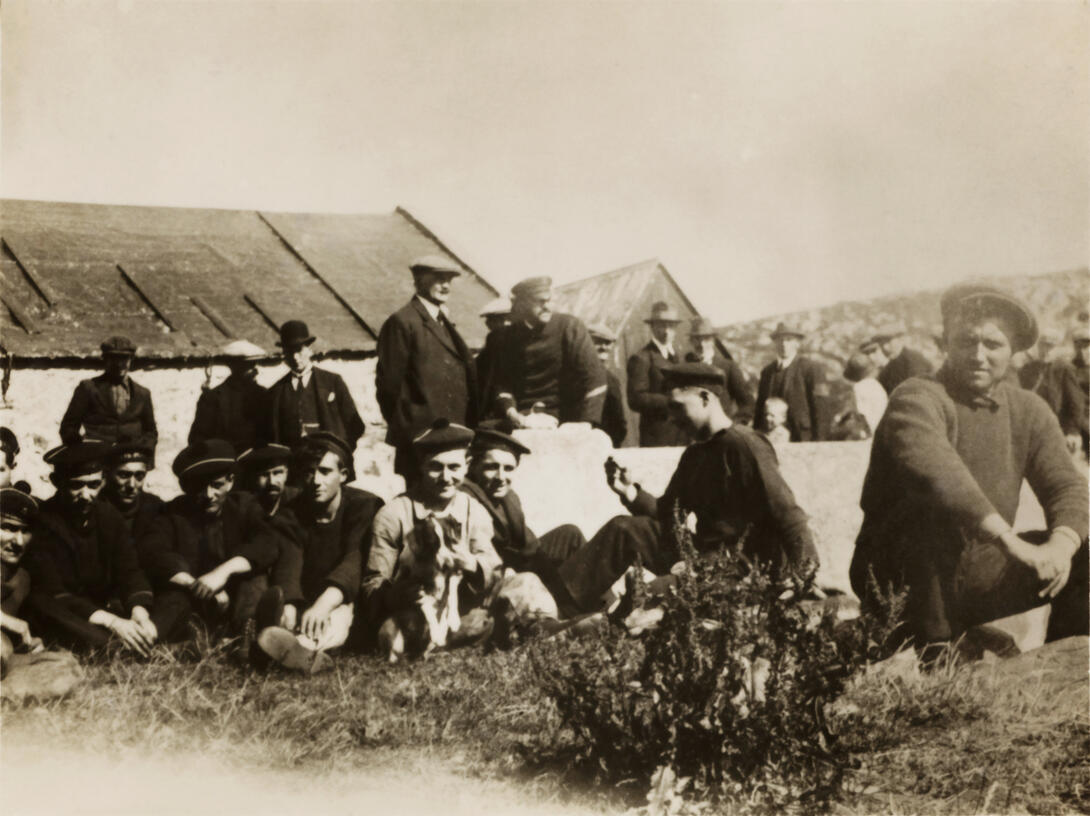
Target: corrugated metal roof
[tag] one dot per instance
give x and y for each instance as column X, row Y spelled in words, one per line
column 181, row 282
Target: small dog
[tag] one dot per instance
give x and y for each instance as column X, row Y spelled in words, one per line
column 428, row 623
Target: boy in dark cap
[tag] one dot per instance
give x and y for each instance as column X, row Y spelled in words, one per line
column 425, row 369
column 798, row 381
column 547, row 359
column 944, row 480
column 111, row 405
column 264, row 472
column 17, row 514
column 727, row 487
column 236, row 410
column 210, row 548
column 86, row 579
column 402, row 527
column 126, row 471
column 320, row 568
column 309, row 398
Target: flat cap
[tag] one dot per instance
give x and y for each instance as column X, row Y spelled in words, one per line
column 601, row 333
column 702, row 327
column 263, row 456
column 443, row 435
column 662, row 312
column 496, row 308
column 118, row 345
column 244, row 350
column 887, row 331
column 15, row 503
column 974, row 297
column 785, row 330
column 131, row 447
column 435, row 263
column 209, row 457
column 85, row 456
column 692, row 375
column 491, row 438
column 328, row 441
column 8, row 443
column 532, row 286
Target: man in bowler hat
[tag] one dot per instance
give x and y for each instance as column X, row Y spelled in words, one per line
column 425, row 370
column 737, row 397
column 800, row 383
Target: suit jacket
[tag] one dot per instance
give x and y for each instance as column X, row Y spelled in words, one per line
column 647, row 396
column 614, row 422
column 84, row 578
column 177, row 541
column 1057, row 384
column 909, row 363
column 737, row 399
column 336, row 408
column 806, row 393
column 92, row 407
column 235, row 410
column 423, row 373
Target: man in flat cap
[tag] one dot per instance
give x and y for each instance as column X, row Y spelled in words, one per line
column 494, row 460
column 904, row 362
column 404, row 531
column 738, row 399
column 237, row 409
column 126, row 471
column 328, row 529
column 264, row 471
column 646, row 389
column 425, row 370
column 1057, row 383
column 111, row 404
column 210, row 549
column 727, row 486
column 614, row 422
column 546, row 364
column 309, row 398
column 798, row 381
column 943, row 485
column 86, row 581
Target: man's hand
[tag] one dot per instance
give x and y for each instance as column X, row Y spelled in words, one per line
column 142, row 619
column 17, row 626
column 1050, row 561
column 129, row 632
column 315, row 621
column 289, row 617
column 618, row 480
column 208, row 585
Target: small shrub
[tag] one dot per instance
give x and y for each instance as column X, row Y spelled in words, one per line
column 728, row 691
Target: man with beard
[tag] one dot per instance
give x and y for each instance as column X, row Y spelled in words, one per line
column 320, row 567
column 727, row 488
column 211, row 549
column 126, row 471
column 111, row 405
column 86, row 580
column 264, row 472
column 236, row 410
column 944, row 481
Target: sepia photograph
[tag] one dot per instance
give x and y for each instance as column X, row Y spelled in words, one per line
column 621, row 407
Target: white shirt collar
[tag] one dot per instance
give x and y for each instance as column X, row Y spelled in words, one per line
column 665, row 351
column 433, row 309
column 304, row 378
column 785, row 362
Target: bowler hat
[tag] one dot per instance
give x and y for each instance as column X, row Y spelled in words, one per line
column 435, row 263
column 496, row 308
column 702, row 327
column 443, row 435
column 784, row 330
column 489, row 438
column 692, row 375
column 209, row 457
column 532, row 286
column 118, row 346
column 294, row 334
column 84, row 456
column 14, row 503
column 244, row 350
column 974, row 297
column 600, row 333
column 262, row 457
column 662, row 312
column 327, row 441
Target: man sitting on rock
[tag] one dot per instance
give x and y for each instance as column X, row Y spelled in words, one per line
column 943, row 485
column 727, row 489
column 319, row 570
column 211, row 549
column 126, row 472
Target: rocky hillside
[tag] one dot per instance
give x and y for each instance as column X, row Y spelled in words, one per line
column 835, row 331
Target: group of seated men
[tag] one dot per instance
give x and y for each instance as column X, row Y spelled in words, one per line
column 272, row 544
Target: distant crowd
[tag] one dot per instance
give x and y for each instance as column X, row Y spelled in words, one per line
column 270, row 544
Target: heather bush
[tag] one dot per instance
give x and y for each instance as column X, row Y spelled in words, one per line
column 727, row 692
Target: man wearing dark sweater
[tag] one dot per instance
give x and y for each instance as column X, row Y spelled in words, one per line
column 126, row 470
column 727, row 488
column 943, row 484
column 319, row 571
column 546, row 368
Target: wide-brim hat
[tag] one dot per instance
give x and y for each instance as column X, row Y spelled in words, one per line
column 118, row 346
column 786, row 330
column 692, row 375
column 327, row 441
column 532, row 286
column 600, row 333
column 443, row 435
column 295, row 333
column 702, row 327
column 662, row 312
column 435, row 264
column 14, row 503
column 263, row 457
column 84, row 456
column 204, row 459
column 243, row 350
column 489, row 438
column 963, row 297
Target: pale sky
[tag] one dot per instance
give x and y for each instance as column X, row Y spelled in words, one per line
column 773, row 156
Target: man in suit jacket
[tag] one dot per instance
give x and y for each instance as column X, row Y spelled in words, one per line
column 1056, row 382
column 111, row 404
column 308, row 398
column 800, row 383
column 614, row 422
column 235, row 410
column 904, row 362
column 737, row 398
column 646, row 392
column 425, row 371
